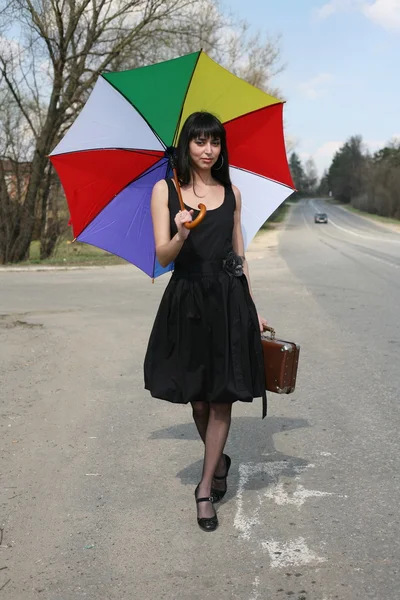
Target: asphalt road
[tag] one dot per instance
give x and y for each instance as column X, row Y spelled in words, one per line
column 97, row 478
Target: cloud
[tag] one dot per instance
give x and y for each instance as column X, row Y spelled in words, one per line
column 328, row 149
column 325, row 11
column 385, row 13
column 316, row 86
column 322, row 156
column 9, row 48
column 337, row 6
column 374, row 145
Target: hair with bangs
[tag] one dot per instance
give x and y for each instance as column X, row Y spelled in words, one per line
column 202, row 124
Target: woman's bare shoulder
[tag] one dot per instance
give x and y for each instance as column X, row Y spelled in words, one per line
column 160, row 193
column 160, row 186
column 236, row 190
column 238, row 196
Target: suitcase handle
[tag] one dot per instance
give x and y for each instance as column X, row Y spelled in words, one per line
column 271, row 331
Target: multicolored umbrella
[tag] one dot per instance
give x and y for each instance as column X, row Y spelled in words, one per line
column 119, row 147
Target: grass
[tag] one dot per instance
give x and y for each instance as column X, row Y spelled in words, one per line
column 78, row 254
column 73, row 253
column 277, row 217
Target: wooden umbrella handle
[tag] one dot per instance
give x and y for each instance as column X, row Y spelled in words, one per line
column 202, row 208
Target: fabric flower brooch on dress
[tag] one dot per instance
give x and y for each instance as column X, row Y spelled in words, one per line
column 233, row 264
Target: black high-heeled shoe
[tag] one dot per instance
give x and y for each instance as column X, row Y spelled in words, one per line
column 207, row 523
column 217, row 495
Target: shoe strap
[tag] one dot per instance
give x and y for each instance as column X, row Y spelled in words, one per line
column 209, row 499
column 220, row 477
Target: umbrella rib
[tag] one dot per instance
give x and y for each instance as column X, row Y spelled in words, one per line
column 262, row 177
column 137, row 110
column 184, row 100
column 158, row 165
column 252, row 112
column 156, row 153
column 155, row 258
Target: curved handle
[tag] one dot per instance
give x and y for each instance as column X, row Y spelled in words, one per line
column 271, row 331
column 202, row 207
column 198, row 219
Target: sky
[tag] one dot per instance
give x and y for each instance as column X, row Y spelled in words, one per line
column 342, row 74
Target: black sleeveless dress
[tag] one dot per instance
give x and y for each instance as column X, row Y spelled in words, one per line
column 205, row 343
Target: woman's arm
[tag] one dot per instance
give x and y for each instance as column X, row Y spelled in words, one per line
column 167, row 249
column 238, row 244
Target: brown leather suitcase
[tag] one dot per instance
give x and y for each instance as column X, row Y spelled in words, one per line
column 281, row 360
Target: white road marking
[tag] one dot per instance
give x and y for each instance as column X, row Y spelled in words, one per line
column 369, row 219
column 243, row 521
column 255, row 594
column 326, row 453
column 306, row 222
column 292, row 553
column 288, row 553
column 365, row 237
column 381, row 260
column 278, row 494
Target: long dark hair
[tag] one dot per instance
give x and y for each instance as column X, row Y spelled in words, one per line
column 206, row 125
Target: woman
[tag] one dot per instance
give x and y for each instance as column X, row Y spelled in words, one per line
column 205, row 346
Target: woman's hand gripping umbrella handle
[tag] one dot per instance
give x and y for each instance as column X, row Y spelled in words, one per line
column 202, row 208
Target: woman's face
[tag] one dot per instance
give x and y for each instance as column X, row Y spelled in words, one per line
column 204, row 152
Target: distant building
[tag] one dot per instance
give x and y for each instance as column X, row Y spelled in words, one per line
column 16, row 176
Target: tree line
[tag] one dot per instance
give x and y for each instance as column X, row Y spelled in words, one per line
column 369, row 182
column 51, row 54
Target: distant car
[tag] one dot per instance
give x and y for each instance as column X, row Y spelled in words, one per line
column 321, row 218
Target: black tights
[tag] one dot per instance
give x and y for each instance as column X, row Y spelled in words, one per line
column 213, row 422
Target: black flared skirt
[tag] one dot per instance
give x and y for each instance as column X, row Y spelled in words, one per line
column 205, row 344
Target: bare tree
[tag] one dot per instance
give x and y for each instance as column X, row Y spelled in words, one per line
column 310, row 177
column 64, row 45
column 253, row 58
column 229, row 41
column 15, row 169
